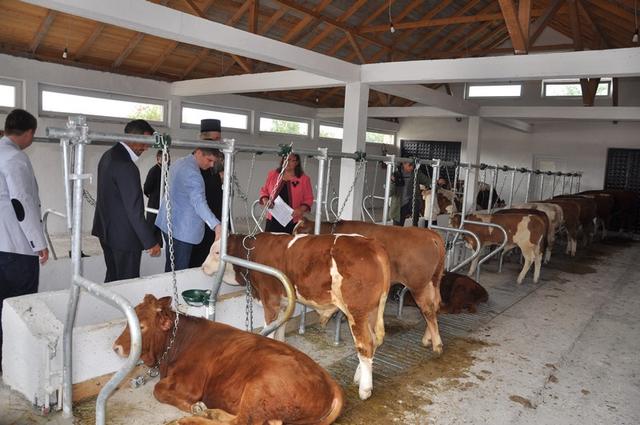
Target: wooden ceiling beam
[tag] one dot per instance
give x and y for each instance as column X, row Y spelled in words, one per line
column 275, row 17
column 42, row 31
column 254, row 9
column 86, row 45
column 576, row 32
column 524, row 18
column 513, row 26
column 356, row 48
column 424, row 40
column 304, row 22
column 611, row 7
column 133, row 43
column 587, row 16
column 204, row 52
column 589, row 88
column 541, row 23
column 165, row 54
column 442, row 22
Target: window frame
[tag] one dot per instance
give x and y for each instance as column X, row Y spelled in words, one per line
column 391, row 133
column 468, row 86
column 567, row 81
column 17, row 85
column 215, row 108
column 330, row 124
column 308, row 121
column 42, row 87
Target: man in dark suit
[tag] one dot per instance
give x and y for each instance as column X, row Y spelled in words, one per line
column 151, row 188
column 119, row 219
column 210, row 129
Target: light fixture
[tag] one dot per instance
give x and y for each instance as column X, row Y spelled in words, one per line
column 65, row 53
column 391, row 27
column 634, row 39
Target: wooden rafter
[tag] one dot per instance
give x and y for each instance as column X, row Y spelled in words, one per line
column 513, row 26
column 524, row 18
column 589, row 88
column 304, row 22
column 596, row 29
column 133, row 43
column 254, row 9
column 356, row 48
column 576, row 32
column 165, row 54
column 425, row 40
column 279, row 13
column 425, row 23
column 541, row 23
column 204, row 52
column 611, row 7
column 86, row 45
column 42, row 31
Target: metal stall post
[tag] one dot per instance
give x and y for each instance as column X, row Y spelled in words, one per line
column 322, row 159
column 391, row 160
column 553, row 186
column 492, row 185
column 571, row 183
column 64, row 143
column 526, row 197
column 541, row 174
column 579, row 180
column 511, row 187
column 326, row 191
column 564, row 180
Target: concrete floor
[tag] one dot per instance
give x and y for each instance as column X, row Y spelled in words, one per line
column 563, row 351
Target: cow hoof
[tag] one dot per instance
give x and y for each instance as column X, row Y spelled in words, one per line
column 198, row 408
column 438, row 350
column 426, row 341
column 356, row 376
column 365, row 393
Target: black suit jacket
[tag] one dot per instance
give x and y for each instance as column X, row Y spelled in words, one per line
column 119, row 219
column 151, row 186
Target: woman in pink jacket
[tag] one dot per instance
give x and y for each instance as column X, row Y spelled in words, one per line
column 295, row 190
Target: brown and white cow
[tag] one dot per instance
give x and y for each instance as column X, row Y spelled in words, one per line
column 571, row 221
column 605, row 204
column 349, row 273
column 536, row 212
column 256, row 380
column 525, row 231
column 417, row 261
column 556, row 220
column 588, row 214
column 460, row 292
column 446, row 203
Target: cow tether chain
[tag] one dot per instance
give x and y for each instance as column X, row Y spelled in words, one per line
column 413, row 197
column 155, row 369
column 248, row 322
column 361, row 163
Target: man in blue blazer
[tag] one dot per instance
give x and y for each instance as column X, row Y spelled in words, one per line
column 119, row 218
column 189, row 209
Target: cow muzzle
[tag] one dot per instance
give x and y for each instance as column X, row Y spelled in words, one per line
column 119, row 350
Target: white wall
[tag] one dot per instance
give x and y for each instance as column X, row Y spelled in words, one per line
column 46, row 158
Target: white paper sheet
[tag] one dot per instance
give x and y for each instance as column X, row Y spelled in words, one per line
column 281, row 211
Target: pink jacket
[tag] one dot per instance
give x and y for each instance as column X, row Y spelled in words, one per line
column 300, row 191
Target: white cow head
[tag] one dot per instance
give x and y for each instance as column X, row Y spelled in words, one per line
column 211, row 263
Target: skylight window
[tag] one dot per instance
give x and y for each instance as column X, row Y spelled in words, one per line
column 494, row 90
column 572, row 88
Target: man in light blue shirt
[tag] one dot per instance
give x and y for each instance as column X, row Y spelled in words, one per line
column 189, row 209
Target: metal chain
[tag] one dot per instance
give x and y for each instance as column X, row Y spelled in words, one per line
column 165, row 159
column 88, row 197
column 360, row 166
column 248, row 320
column 413, row 196
column 373, row 190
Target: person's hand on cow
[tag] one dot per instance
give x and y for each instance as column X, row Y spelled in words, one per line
column 298, row 213
column 154, row 251
column 218, row 232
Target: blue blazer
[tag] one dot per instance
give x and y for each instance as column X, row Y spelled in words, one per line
column 189, row 209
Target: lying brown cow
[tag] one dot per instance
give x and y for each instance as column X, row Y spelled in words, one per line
column 256, row 380
column 460, row 292
column 349, row 273
column 417, row 261
column 525, row 231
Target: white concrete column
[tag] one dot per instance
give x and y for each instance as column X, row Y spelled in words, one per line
column 471, row 154
column 355, row 127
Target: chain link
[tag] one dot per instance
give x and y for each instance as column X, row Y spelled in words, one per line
column 413, row 196
column 248, row 321
column 88, row 197
column 165, row 159
column 362, row 163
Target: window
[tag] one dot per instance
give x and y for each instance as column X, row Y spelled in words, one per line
column 284, row 126
column 494, row 90
column 377, row 137
column 61, row 101
column 229, row 118
column 9, row 94
column 572, row 88
column 330, row 131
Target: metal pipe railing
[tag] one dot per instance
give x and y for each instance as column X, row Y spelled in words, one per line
column 45, row 225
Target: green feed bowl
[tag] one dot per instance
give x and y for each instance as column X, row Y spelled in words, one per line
column 196, row 297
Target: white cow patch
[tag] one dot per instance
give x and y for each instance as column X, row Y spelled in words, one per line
column 365, row 369
column 295, row 238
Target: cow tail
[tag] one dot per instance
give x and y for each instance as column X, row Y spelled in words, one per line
column 336, row 405
column 383, row 259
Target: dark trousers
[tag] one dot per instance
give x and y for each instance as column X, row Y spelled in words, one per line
column 120, row 264
column 274, row 225
column 405, row 212
column 151, row 220
column 181, row 253
column 19, row 275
